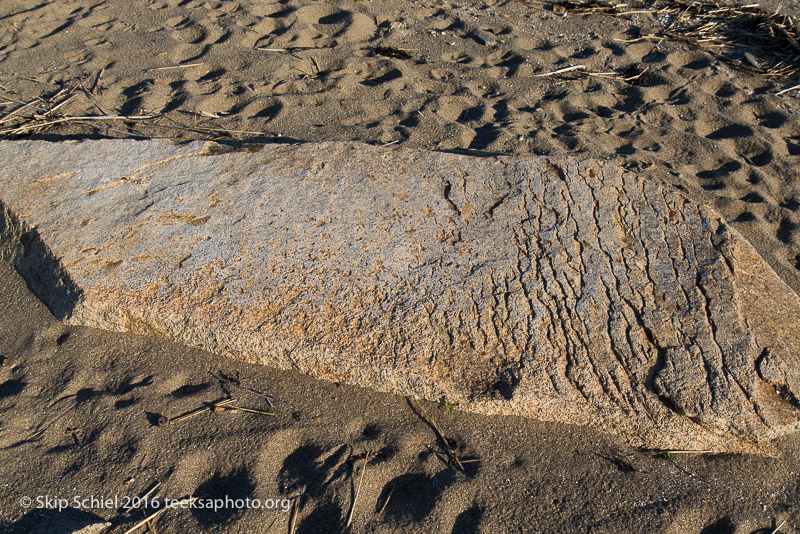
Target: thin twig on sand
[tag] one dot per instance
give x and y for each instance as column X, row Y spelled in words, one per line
column 246, row 410
column 293, row 516
column 445, row 444
column 198, row 411
column 188, row 65
column 358, row 491
column 386, row 502
column 143, row 498
column 228, row 380
column 561, row 71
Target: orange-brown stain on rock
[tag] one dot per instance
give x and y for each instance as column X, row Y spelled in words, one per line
column 184, row 217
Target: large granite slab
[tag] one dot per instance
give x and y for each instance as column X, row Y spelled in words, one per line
column 558, row 289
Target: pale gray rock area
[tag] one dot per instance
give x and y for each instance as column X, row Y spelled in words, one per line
column 558, row 289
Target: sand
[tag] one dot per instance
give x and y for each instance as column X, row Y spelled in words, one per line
column 80, row 407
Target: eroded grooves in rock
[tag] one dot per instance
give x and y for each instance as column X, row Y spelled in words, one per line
column 558, row 289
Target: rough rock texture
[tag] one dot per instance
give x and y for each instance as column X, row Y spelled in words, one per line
column 559, row 289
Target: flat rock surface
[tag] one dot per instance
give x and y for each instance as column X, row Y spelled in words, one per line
column 558, row 289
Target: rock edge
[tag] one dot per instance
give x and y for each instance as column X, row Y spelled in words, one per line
column 558, row 289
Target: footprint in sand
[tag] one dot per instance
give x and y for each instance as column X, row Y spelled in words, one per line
column 508, row 62
column 12, row 387
column 263, row 32
column 772, row 119
column 79, row 57
column 314, row 472
column 728, row 131
column 411, row 497
column 788, row 231
column 459, row 57
column 378, row 73
column 469, row 521
column 186, row 30
column 188, row 53
column 270, row 111
column 754, row 152
column 316, row 25
column 231, row 482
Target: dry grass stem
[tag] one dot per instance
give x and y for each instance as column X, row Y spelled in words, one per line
column 189, row 65
column 83, row 119
column 247, row 410
column 386, row 502
column 358, row 491
column 223, row 378
column 562, row 71
column 692, row 452
column 293, row 516
column 143, row 497
column 198, row 411
column 746, row 37
column 788, row 90
column 445, row 444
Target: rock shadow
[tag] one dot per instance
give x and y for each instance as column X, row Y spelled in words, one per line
column 23, row 248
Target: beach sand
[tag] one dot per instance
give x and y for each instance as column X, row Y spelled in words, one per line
column 81, row 407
